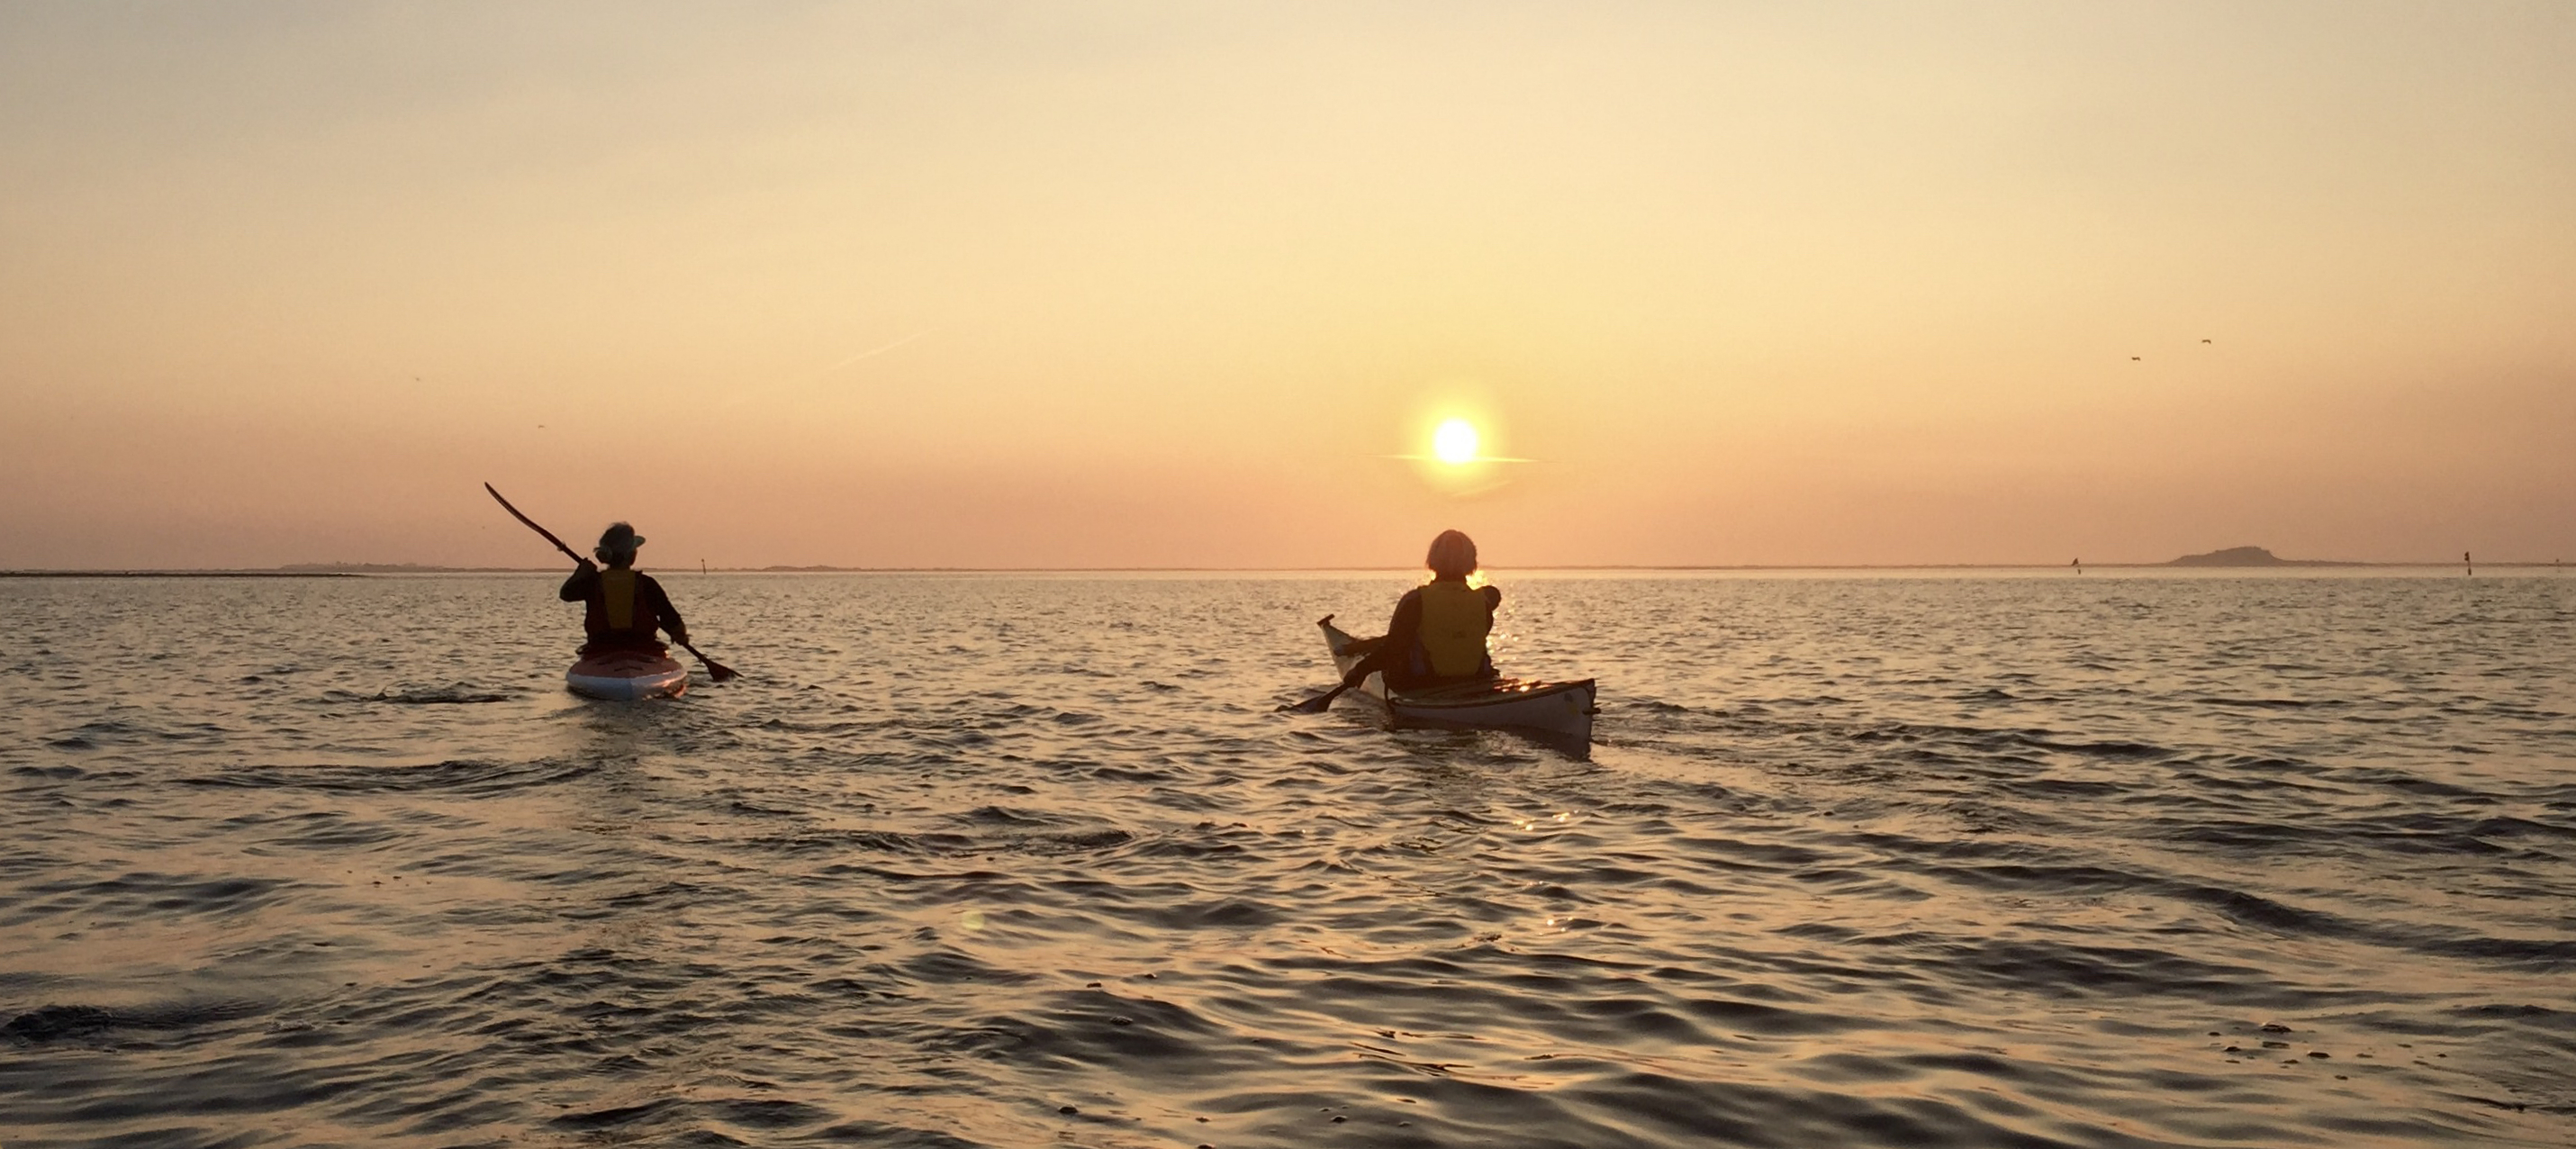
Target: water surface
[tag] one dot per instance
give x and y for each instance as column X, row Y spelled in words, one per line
column 983, row 860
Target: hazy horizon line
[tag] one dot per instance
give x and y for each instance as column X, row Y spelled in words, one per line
column 365, row 570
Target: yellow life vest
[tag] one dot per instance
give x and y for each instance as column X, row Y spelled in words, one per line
column 617, row 597
column 1454, row 625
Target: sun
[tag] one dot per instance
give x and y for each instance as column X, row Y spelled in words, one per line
column 1454, row 442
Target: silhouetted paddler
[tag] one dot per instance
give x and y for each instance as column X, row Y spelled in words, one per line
column 621, row 606
column 1437, row 635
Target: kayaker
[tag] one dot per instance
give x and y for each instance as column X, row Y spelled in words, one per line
column 1437, row 636
column 622, row 606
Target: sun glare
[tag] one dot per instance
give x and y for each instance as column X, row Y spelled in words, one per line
column 1455, row 442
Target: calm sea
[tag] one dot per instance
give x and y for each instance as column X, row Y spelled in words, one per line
column 1948, row 860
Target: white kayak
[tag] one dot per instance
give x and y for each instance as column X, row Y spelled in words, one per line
column 1560, row 709
column 625, row 675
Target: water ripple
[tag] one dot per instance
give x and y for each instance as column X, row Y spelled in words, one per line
column 977, row 861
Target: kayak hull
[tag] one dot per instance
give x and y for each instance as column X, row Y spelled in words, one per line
column 627, row 675
column 1562, row 711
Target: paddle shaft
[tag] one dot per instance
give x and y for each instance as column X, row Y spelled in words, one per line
column 715, row 670
column 531, row 524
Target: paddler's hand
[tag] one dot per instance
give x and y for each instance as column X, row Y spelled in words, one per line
column 584, row 566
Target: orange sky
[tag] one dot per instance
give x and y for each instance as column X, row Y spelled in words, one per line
column 1165, row 284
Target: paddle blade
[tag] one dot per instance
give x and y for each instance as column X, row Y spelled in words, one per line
column 715, row 670
column 1315, row 705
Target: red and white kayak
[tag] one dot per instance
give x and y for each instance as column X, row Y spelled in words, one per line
column 624, row 675
column 1561, row 710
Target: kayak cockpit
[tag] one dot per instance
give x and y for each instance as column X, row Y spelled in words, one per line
column 1560, row 712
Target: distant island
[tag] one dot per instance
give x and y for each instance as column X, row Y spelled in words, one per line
column 2250, row 557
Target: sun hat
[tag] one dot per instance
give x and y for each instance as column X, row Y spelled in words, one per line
column 618, row 541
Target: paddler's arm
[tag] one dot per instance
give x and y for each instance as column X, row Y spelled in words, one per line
column 663, row 611
column 585, row 575
column 1405, row 629
column 1402, row 631
column 1493, row 604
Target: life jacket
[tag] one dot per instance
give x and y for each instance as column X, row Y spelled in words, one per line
column 1455, row 620
column 620, row 602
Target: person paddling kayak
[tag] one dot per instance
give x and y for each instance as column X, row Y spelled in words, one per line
column 1437, row 637
column 620, row 611
column 621, row 606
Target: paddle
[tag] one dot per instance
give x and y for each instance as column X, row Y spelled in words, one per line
column 1318, row 703
column 715, row 670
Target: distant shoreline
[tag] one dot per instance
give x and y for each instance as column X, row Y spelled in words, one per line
column 186, row 574
column 363, row 572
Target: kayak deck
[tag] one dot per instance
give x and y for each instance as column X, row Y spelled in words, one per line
column 622, row 676
column 1560, row 709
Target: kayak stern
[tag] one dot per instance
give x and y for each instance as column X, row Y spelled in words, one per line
column 625, row 676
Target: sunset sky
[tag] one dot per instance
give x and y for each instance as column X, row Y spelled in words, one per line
column 1182, row 284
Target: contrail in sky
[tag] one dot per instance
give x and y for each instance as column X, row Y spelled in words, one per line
column 747, row 394
column 879, row 351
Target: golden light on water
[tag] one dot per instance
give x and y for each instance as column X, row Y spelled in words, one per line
column 1455, row 442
